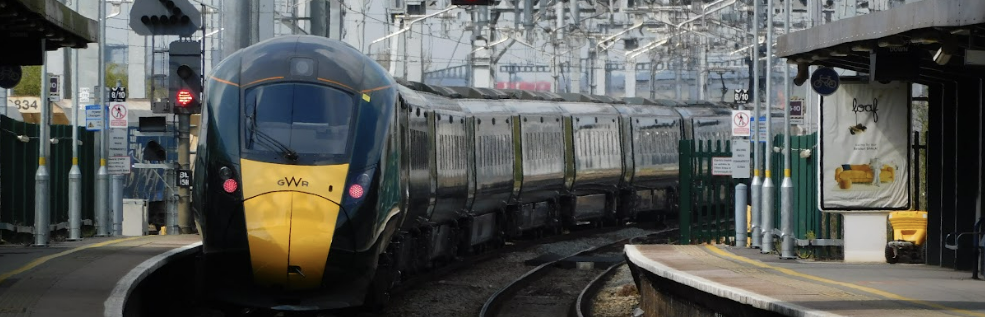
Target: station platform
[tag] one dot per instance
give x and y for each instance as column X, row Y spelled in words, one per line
column 91, row 277
column 744, row 282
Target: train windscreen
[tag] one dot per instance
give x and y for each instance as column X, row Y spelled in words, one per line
column 300, row 123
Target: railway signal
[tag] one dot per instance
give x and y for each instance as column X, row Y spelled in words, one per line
column 164, row 17
column 185, row 85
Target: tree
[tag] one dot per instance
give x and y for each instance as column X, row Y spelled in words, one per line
column 116, row 72
column 30, row 84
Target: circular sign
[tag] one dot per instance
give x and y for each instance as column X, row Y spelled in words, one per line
column 118, row 112
column 10, row 76
column 825, row 81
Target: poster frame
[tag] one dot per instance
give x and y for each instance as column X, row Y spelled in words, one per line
column 823, row 181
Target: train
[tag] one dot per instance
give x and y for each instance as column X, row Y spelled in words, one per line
column 320, row 182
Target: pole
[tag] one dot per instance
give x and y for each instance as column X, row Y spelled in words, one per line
column 653, row 76
column 394, row 46
column 184, row 216
column 769, row 188
column 703, row 71
column 555, row 41
column 677, row 78
column 117, row 203
column 116, row 195
column 102, row 177
column 41, row 178
column 528, row 19
column 74, row 174
column 757, row 182
column 740, row 215
column 600, row 63
column 574, row 73
column 786, row 187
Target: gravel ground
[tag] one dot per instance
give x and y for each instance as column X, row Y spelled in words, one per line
column 618, row 297
column 464, row 292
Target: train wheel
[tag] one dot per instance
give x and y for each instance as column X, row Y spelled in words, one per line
column 378, row 294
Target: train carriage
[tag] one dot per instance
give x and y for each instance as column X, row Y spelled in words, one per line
column 649, row 177
column 593, row 158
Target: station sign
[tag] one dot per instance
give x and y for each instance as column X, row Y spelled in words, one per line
column 54, row 94
column 118, row 115
column 721, row 166
column 84, row 94
column 94, row 118
column 118, row 94
column 118, row 161
column 796, row 112
column 741, row 123
column 741, row 158
column 740, row 96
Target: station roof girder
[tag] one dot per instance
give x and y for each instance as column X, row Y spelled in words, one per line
column 25, row 22
column 926, row 26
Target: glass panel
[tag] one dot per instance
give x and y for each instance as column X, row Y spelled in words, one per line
column 311, row 120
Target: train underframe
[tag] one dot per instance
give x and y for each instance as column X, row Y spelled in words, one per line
column 427, row 247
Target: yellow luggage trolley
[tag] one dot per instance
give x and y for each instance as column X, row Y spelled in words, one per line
column 909, row 236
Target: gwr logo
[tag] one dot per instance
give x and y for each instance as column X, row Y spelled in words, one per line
column 299, row 182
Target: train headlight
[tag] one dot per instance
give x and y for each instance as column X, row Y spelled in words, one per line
column 356, row 191
column 358, row 188
column 225, row 172
column 230, row 185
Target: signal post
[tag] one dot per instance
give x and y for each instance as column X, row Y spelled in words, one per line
column 185, row 61
column 176, row 17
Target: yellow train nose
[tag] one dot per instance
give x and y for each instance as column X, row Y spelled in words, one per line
column 290, row 234
column 290, row 220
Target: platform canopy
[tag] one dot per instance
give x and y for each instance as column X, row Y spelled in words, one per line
column 937, row 34
column 24, row 23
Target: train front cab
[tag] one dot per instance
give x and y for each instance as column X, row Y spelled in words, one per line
column 292, row 211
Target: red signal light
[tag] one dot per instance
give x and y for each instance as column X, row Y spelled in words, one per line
column 185, row 97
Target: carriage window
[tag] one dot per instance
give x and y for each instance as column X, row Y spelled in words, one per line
column 310, row 120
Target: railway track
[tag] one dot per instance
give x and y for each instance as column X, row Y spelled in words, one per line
column 564, row 286
column 438, row 273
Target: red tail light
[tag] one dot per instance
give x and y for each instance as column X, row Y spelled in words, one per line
column 230, row 185
column 356, row 191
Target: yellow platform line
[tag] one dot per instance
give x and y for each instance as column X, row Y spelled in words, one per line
column 870, row 290
column 47, row 258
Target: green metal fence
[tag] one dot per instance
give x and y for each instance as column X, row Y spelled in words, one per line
column 707, row 200
column 19, row 164
column 809, row 222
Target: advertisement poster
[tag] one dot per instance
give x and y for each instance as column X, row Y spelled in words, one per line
column 865, row 141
